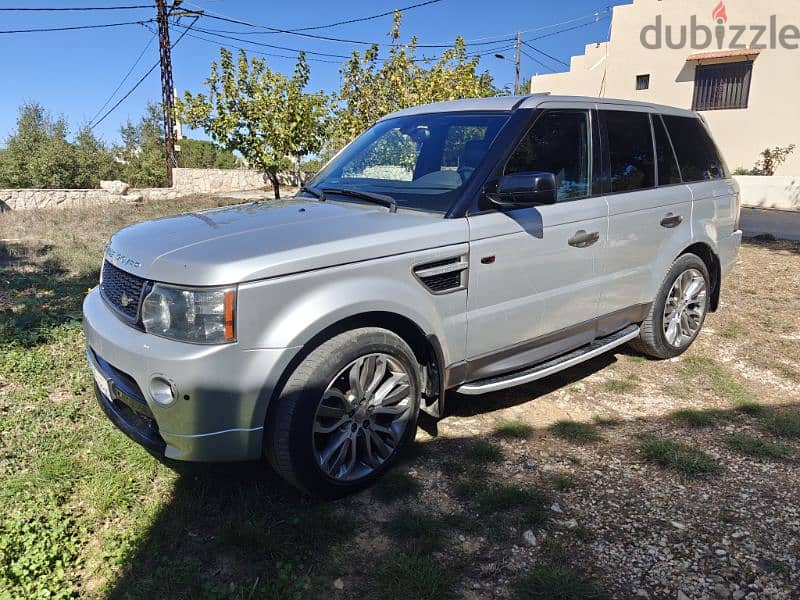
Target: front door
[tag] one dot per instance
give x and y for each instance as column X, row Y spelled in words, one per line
column 534, row 288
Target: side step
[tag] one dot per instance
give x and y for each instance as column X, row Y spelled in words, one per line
column 560, row 363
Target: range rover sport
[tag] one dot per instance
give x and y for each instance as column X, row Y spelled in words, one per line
column 471, row 245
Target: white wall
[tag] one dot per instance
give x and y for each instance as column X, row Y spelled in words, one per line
column 610, row 69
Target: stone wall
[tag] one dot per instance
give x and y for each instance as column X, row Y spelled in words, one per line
column 210, row 181
column 33, row 198
column 186, row 182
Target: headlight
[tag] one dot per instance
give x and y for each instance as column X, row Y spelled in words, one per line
column 199, row 316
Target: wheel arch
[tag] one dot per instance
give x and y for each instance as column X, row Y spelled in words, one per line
column 711, row 260
column 426, row 348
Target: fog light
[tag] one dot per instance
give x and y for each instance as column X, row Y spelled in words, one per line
column 162, row 391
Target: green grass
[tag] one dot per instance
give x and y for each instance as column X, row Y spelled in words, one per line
column 412, row 575
column 578, row 433
column 396, row 485
column 497, row 497
column 700, row 418
column 551, row 582
column 716, row 378
column 512, row 429
column 754, row 446
column 483, row 453
column 562, row 482
column 419, row 530
column 622, row 386
column 678, row 456
column 785, row 423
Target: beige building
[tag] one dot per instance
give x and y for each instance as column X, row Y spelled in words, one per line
column 736, row 61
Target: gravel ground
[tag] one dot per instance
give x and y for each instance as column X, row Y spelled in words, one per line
column 636, row 528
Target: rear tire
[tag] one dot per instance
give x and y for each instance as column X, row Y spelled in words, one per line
column 679, row 311
column 345, row 413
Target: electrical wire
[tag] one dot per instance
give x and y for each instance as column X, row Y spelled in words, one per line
column 538, row 62
column 124, row 79
column 543, row 53
column 74, row 27
column 138, row 83
column 75, row 8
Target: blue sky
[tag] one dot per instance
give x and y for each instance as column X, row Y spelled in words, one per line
column 74, row 72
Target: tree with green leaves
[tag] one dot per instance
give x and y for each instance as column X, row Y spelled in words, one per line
column 38, row 154
column 143, row 152
column 372, row 88
column 266, row 116
column 203, row 154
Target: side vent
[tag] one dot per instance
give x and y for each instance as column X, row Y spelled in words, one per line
column 444, row 276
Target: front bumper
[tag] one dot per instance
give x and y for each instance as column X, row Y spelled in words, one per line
column 222, row 391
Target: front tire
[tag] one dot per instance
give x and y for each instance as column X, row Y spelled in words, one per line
column 679, row 310
column 345, row 413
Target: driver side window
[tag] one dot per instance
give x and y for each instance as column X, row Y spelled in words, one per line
column 558, row 143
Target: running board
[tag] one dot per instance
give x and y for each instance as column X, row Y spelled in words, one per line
column 565, row 361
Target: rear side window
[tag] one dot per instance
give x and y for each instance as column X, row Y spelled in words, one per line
column 697, row 154
column 668, row 173
column 630, row 147
column 557, row 143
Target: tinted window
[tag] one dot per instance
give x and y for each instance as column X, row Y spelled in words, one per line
column 557, row 143
column 697, row 155
column 668, row 172
column 630, row 145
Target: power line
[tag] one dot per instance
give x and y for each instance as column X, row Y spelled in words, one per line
column 543, row 53
column 267, row 30
column 74, row 27
column 357, row 19
column 136, row 85
column 219, row 44
column 124, row 79
column 538, row 62
column 74, row 8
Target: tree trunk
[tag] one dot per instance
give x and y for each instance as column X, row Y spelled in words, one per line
column 276, row 183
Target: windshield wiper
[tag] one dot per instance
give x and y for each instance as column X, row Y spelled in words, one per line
column 318, row 194
column 381, row 199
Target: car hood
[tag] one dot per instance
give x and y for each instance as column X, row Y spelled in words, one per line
column 256, row 241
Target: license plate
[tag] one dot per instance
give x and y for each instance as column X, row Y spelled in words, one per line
column 102, row 382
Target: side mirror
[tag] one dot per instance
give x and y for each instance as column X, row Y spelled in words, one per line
column 525, row 189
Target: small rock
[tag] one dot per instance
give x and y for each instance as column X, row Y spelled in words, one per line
column 721, row 591
column 682, row 596
column 338, row 583
column 642, row 594
column 531, row 464
column 556, row 508
column 720, row 552
column 529, row 538
column 738, row 595
column 118, row 188
column 569, row 524
column 677, row 525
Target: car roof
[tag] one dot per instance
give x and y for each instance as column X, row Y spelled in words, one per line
column 512, row 103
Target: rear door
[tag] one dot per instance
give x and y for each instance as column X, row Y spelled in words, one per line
column 703, row 169
column 534, row 287
column 650, row 209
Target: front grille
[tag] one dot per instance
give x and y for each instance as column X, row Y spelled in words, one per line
column 122, row 290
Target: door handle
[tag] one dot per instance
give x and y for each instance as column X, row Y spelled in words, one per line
column 671, row 221
column 581, row 239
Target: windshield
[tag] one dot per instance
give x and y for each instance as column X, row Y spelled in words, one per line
column 420, row 161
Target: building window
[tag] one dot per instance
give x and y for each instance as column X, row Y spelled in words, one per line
column 722, row 87
column 643, row 82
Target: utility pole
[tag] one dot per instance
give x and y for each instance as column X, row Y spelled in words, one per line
column 167, row 88
column 517, row 63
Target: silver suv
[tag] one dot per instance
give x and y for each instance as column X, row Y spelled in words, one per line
column 470, row 246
